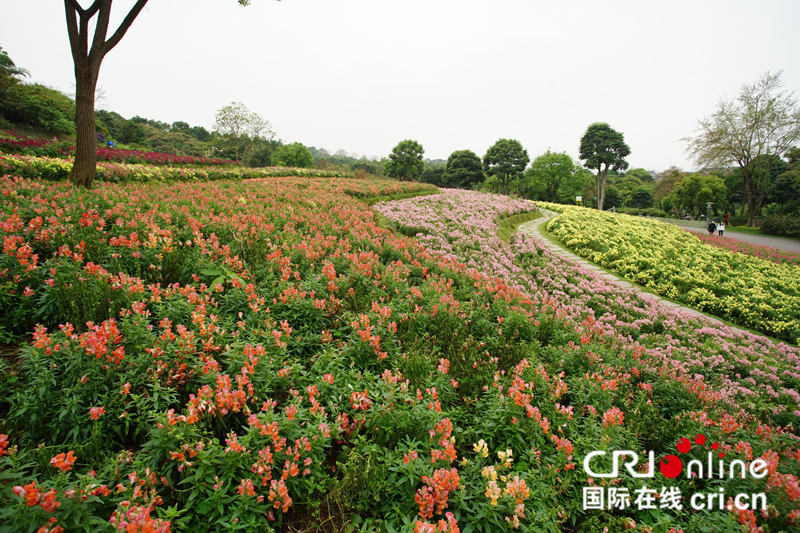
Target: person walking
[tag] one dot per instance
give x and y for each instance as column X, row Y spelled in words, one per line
column 725, row 218
column 712, row 228
column 721, row 228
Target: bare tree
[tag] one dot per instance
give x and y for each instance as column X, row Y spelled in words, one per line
column 761, row 121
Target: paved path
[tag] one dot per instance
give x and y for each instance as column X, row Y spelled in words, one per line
column 532, row 228
column 781, row 244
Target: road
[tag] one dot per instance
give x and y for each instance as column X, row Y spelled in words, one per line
column 775, row 242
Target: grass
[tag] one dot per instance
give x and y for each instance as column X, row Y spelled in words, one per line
column 507, row 226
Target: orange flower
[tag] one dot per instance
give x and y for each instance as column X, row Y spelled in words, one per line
column 96, row 412
column 63, row 461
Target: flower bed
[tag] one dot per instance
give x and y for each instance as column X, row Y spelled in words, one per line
column 58, row 169
column 699, row 375
column 746, row 290
column 32, row 146
column 768, row 253
column 225, row 355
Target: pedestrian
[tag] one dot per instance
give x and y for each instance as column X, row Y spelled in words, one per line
column 726, row 218
column 712, row 228
column 721, row 228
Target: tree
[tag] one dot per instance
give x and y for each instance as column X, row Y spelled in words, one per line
column 613, row 197
column 463, row 170
column 641, row 197
column 643, row 175
column 294, row 155
column 760, row 122
column 603, row 149
column 87, row 62
column 433, row 174
column 666, row 181
column 239, row 126
column 10, row 93
column 405, row 162
column 9, row 68
column 548, row 173
column 506, row 160
column 693, row 192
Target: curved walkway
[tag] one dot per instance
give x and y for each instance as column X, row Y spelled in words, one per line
column 532, row 228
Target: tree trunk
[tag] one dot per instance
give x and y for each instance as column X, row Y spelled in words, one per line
column 87, row 67
column 601, row 189
column 85, row 166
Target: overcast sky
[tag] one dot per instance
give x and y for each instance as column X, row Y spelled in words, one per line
column 362, row 75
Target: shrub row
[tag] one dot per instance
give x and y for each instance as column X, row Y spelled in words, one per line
column 49, row 168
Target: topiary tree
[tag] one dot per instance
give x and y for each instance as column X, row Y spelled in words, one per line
column 603, row 149
column 294, row 155
column 463, row 170
column 506, row 159
column 405, row 162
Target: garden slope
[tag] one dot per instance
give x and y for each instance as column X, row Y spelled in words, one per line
column 749, row 291
column 240, row 354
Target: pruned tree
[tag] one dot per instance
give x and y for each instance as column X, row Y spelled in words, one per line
column 761, row 121
column 87, row 60
column 463, row 170
column 405, row 162
column 603, row 149
column 506, row 160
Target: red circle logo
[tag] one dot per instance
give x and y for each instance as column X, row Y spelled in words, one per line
column 671, row 466
column 684, row 445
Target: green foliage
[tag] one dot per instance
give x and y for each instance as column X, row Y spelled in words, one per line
column 781, row 226
column 651, row 211
column 641, row 197
column 613, row 198
column 294, row 155
column 236, row 127
column 42, row 107
column 693, row 191
column 405, row 162
column 9, row 83
column 433, row 174
column 603, row 149
column 463, row 170
column 762, row 122
column 550, row 175
column 506, row 159
column 641, row 174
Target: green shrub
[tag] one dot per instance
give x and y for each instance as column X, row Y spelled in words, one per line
column 652, row 211
column 46, row 108
column 784, row 226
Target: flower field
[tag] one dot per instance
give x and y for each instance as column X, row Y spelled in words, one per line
column 749, row 291
column 51, row 168
column 15, row 143
column 261, row 355
column 755, row 250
